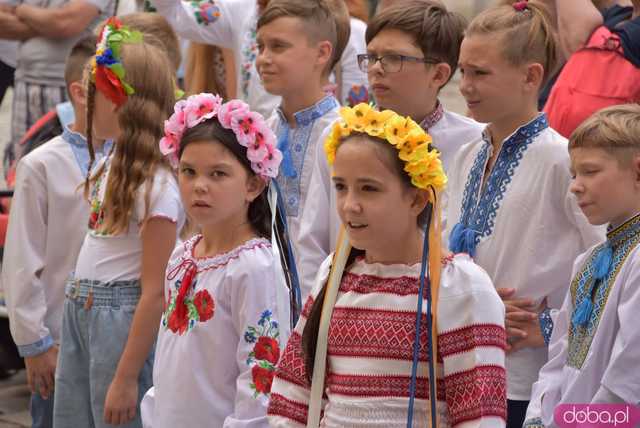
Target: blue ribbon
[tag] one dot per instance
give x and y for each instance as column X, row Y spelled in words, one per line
column 463, row 240
column 286, row 167
column 601, row 267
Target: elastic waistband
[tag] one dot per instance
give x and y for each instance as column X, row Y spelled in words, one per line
column 106, row 294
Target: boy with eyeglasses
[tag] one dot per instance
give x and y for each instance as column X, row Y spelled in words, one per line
column 412, row 52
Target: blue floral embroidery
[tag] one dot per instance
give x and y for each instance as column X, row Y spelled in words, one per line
column 546, row 324
column 249, row 53
column 480, row 205
column 623, row 240
column 294, row 143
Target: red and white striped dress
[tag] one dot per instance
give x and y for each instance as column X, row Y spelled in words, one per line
column 370, row 351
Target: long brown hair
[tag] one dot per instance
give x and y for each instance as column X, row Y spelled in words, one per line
column 136, row 156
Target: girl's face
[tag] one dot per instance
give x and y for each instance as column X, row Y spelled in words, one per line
column 105, row 118
column 216, row 189
column 378, row 210
column 493, row 88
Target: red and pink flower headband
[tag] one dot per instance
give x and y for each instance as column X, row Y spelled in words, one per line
column 249, row 127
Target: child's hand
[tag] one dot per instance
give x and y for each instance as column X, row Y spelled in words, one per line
column 121, row 402
column 41, row 371
column 521, row 321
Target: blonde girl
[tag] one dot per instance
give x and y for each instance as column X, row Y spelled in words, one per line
column 114, row 299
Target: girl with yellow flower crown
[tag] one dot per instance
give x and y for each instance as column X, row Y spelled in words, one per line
column 360, row 339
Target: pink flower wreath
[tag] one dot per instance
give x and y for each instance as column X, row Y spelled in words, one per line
column 250, row 128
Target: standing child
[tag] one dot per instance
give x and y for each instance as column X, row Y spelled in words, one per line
column 593, row 354
column 115, row 298
column 412, row 52
column 48, row 209
column 298, row 45
column 221, row 334
column 510, row 207
column 386, row 175
column 232, row 24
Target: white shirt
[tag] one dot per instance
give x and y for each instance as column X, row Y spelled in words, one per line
column 304, row 144
column 597, row 363
column 119, row 257
column 209, row 375
column 231, row 24
column 370, row 351
column 47, row 224
column 529, row 227
column 320, row 222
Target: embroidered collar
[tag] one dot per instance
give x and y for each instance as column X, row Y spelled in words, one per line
column 528, row 130
column 433, row 117
column 591, row 286
column 480, row 202
column 80, row 150
column 308, row 115
column 628, row 229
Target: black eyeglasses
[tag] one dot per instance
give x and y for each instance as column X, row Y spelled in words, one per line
column 391, row 63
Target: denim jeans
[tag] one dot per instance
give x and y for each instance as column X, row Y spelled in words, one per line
column 41, row 411
column 94, row 335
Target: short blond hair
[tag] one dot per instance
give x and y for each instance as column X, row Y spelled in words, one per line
column 615, row 129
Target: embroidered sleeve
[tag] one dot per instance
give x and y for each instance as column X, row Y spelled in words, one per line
column 290, row 392
column 471, row 342
column 251, row 285
column 354, row 81
column 203, row 21
column 545, row 393
column 546, row 324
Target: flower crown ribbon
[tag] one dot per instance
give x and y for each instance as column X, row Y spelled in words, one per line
column 422, row 161
column 107, row 71
column 249, row 127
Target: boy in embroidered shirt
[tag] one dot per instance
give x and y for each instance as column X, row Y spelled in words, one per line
column 593, row 354
column 509, row 204
column 299, row 44
column 232, row 24
column 407, row 62
column 46, row 227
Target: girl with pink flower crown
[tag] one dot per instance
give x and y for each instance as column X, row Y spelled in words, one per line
column 226, row 313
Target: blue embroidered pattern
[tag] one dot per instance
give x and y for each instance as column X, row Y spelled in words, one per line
column 80, row 150
column 480, row 205
column 623, row 240
column 294, row 143
column 546, row 324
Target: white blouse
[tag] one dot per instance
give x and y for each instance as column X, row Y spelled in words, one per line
column 370, row 351
column 214, row 365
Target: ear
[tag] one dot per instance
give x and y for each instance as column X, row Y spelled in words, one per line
column 255, row 186
column 442, row 72
column 78, row 94
column 420, row 200
column 325, row 53
column 534, row 76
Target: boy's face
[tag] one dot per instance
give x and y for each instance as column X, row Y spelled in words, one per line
column 606, row 188
column 286, row 57
column 406, row 91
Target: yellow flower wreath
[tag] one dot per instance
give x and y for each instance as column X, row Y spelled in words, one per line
column 422, row 162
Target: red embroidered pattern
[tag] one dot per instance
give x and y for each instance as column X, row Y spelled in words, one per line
column 374, row 333
column 467, row 338
column 365, row 284
column 280, row 406
column 291, row 367
column 306, row 310
column 381, row 386
column 481, row 391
